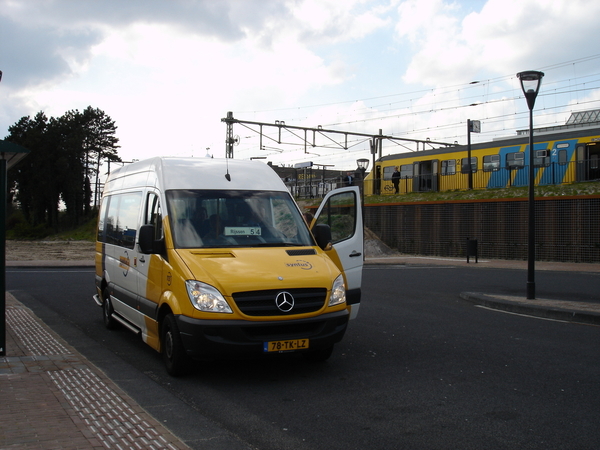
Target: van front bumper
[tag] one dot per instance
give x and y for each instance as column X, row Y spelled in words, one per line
column 235, row 338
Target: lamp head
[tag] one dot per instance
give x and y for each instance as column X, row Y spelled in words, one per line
column 531, row 80
column 362, row 163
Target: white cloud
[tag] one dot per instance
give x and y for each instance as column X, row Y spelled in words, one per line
column 505, row 36
column 330, row 21
column 422, row 21
column 167, row 72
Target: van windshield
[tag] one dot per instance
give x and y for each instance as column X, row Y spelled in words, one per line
column 215, row 218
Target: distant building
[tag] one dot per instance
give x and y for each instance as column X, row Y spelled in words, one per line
column 310, row 182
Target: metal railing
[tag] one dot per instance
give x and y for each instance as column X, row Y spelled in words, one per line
column 314, row 189
column 318, row 189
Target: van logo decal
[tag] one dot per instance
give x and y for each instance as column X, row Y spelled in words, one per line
column 284, row 301
column 124, row 263
column 304, row 265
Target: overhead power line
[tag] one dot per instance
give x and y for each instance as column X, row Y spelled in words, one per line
column 570, row 94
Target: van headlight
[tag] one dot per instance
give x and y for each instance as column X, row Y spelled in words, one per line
column 338, row 292
column 206, row 298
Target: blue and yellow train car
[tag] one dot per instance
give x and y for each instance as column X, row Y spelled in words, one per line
column 562, row 155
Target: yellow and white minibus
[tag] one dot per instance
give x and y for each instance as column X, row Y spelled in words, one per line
column 211, row 258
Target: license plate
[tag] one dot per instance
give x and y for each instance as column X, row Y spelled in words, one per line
column 286, row 346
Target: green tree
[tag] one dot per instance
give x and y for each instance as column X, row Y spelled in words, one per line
column 65, row 155
column 100, row 144
column 34, row 180
column 69, row 164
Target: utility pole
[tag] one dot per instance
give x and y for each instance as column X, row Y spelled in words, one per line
column 229, row 136
column 475, row 127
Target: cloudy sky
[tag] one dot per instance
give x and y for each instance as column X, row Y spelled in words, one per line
column 167, row 72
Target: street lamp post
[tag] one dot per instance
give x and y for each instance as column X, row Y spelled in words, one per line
column 363, row 164
column 10, row 154
column 531, row 81
column 473, row 126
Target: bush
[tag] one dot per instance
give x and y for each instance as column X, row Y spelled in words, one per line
column 18, row 228
column 22, row 230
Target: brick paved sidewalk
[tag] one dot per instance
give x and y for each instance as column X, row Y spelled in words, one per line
column 53, row 398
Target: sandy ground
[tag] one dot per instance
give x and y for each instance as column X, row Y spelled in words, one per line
column 49, row 250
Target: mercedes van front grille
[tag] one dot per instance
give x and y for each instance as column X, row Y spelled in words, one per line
column 264, row 303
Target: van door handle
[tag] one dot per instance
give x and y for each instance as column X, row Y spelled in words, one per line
column 142, row 259
column 354, row 254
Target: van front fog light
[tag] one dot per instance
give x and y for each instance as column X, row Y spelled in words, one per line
column 338, row 292
column 206, row 298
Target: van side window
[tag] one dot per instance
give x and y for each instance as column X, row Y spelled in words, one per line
column 101, row 237
column 122, row 218
column 153, row 215
column 340, row 214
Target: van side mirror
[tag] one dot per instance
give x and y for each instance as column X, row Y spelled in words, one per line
column 147, row 243
column 322, row 234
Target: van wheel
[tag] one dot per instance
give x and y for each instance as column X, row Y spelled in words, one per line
column 319, row 355
column 173, row 353
column 107, row 312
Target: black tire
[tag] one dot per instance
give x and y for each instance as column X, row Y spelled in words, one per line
column 173, row 353
column 107, row 312
column 320, row 355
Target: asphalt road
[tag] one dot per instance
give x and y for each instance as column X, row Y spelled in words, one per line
column 419, row 368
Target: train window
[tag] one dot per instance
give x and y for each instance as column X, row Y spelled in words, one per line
column 406, row 171
column 491, row 163
column 541, row 158
column 515, row 160
column 465, row 165
column 387, row 172
column 449, row 167
column 594, row 162
column 562, row 157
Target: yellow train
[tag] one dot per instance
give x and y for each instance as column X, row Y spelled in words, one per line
column 563, row 154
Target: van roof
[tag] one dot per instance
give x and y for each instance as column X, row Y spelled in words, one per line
column 195, row 173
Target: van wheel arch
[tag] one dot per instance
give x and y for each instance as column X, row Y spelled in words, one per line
column 163, row 312
column 171, row 347
column 107, row 310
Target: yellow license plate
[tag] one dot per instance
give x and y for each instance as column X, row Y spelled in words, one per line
column 286, row 346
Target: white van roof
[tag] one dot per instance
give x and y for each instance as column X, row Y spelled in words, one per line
column 196, row 173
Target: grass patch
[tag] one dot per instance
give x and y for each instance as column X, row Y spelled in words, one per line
column 19, row 229
column 576, row 189
column 85, row 232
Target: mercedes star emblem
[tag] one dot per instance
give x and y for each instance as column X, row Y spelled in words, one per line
column 284, row 301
